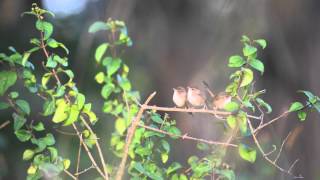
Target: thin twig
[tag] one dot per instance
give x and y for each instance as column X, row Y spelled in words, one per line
column 265, row 156
column 185, row 136
column 3, row 125
column 69, row 174
column 88, row 151
column 270, row 122
column 78, row 158
column 130, row 135
column 279, row 153
column 98, row 147
column 85, row 170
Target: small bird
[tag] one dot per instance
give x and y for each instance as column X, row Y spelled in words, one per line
column 196, row 98
column 220, row 100
column 179, row 96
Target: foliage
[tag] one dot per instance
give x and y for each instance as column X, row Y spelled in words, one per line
column 150, row 151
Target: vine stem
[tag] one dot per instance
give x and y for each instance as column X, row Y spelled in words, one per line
column 105, row 175
column 130, row 135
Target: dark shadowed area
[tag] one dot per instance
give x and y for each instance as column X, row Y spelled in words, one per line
column 182, row 43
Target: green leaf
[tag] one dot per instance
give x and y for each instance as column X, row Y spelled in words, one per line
column 114, row 66
column 52, row 43
column 156, row 118
column 14, row 95
column 66, row 163
column 247, row 153
column 124, row 83
column 120, row 126
column 165, row 145
column 101, row 49
column 25, row 58
column 99, row 77
column 27, row 154
column 19, row 121
column 249, row 50
column 302, row 115
column 23, row 135
column 245, row 39
column 261, row 42
column 173, row 168
column 257, row 64
column 73, row 115
column 49, row 107
column 231, row 106
column 231, row 120
column 262, row 103
column 80, row 100
column 311, row 98
column 51, row 63
column 296, row 106
column 39, row 127
column 242, row 121
column 247, row 77
column 4, row 105
column 45, row 27
column 61, row 111
column 107, row 90
column 91, row 140
column 63, row 61
column 48, row 140
column 164, row 157
column 7, row 79
column 236, row 61
column 98, row 26
column 32, row 170
column 23, row 106
column 53, row 153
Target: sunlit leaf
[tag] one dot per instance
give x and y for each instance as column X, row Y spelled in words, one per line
column 231, row 106
column 296, row 106
column 101, row 49
column 99, row 77
column 247, row 153
column 236, row 61
column 73, row 115
column 247, row 77
column 45, row 27
column 302, row 115
column 249, row 50
column 39, row 127
column 23, row 135
column 27, row 154
column 232, row 122
column 261, row 42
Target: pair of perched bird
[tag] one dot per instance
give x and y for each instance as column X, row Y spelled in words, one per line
column 195, row 97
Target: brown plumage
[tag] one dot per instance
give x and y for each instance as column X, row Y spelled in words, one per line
column 179, row 96
column 195, row 97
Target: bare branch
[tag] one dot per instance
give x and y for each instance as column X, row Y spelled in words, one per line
column 69, row 174
column 185, row 136
column 4, row 124
column 130, row 135
column 265, row 156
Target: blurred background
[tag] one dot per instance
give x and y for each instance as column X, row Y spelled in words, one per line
column 181, row 43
